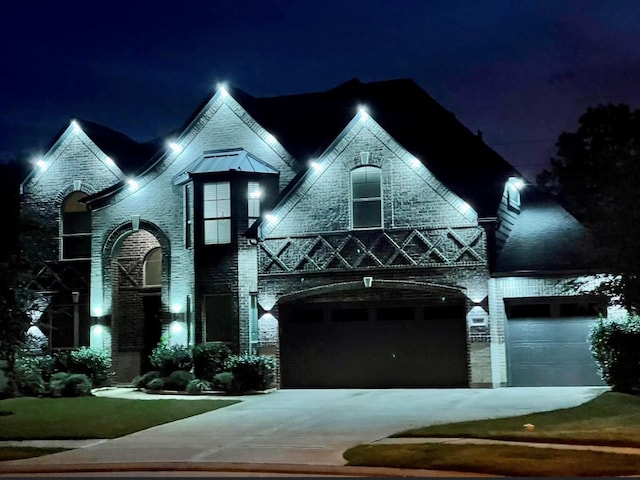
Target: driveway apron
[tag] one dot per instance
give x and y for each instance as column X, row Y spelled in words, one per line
column 313, row 427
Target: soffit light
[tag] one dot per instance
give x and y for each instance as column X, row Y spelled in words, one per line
column 133, row 185
column 315, row 165
column 364, row 115
column 76, row 127
column 42, row 164
column 270, row 218
column 516, row 183
column 222, row 88
column 109, row 161
column 175, row 147
column 271, row 139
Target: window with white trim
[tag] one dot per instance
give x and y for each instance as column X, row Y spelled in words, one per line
column 366, row 197
column 253, row 201
column 76, row 227
column 217, row 213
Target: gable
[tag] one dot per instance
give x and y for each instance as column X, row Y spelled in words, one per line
column 410, row 195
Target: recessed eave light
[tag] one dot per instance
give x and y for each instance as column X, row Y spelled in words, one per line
column 271, row 139
column 270, row 218
column 516, row 184
column 364, row 114
column 133, row 185
column 42, row 164
column 175, row 147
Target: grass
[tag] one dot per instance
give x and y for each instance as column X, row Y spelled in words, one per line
column 496, row 460
column 92, row 417
column 18, row 453
column 609, row 419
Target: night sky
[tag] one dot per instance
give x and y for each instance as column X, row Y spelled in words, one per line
column 521, row 71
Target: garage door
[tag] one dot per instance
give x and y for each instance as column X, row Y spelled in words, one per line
column 548, row 348
column 360, row 345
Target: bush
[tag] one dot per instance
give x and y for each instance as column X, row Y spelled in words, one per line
column 169, row 358
column 32, row 374
column 7, row 388
column 65, row 384
column 208, row 359
column 252, row 372
column 95, row 364
column 615, row 345
column 143, row 380
column 224, row 381
column 198, row 385
column 155, row 384
column 178, row 380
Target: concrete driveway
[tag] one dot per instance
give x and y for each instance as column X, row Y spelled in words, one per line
column 311, row 427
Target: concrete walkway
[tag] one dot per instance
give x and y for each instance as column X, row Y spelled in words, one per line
column 295, row 429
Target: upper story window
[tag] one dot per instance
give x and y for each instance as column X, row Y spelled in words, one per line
column 253, row 201
column 76, row 227
column 366, row 209
column 152, row 276
column 217, row 213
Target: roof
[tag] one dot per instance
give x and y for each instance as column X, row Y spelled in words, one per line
column 225, row 161
column 128, row 154
column 306, row 125
column 545, row 237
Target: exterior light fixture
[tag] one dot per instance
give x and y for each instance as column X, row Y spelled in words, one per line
column 97, row 312
column 515, row 183
column 175, row 147
column 367, row 281
column 222, row 88
column 315, row 165
column 133, row 185
column 415, row 163
column 364, row 115
column 176, row 308
column 97, row 329
column 42, row 164
column 465, row 207
column 270, row 218
column 76, row 127
column 271, row 139
column 109, row 161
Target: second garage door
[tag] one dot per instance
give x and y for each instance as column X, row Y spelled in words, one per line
column 363, row 345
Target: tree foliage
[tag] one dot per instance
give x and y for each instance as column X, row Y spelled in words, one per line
column 596, row 176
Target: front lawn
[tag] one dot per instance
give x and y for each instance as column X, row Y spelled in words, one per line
column 18, row 453
column 507, row 460
column 29, row 418
column 609, row 419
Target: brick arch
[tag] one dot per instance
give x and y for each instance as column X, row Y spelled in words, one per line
column 425, row 287
column 115, row 238
column 70, row 188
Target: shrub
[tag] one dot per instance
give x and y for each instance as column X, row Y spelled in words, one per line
column 169, row 358
column 224, row 381
column 615, row 345
column 65, row 384
column 251, row 372
column 32, row 374
column 178, row 380
column 198, row 385
column 143, row 380
column 95, row 364
column 7, row 388
column 209, row 358
column 155, row 384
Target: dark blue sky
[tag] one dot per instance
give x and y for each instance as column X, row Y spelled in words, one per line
column 521, row 71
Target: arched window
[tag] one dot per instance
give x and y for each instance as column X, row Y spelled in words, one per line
column 366, row 198
column 76, row 227
column 153, row 268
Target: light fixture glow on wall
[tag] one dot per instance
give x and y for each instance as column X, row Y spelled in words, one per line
column 364, row 115
column 97, row 312
column 222, row 88
column 133, row 185
column 97, row 330
column 176, row 327
column 109, row 161
column 256, row 194
column 270, row 218
column 415, row 163
column 516, row 183
column 465, row 207
column 175, row 147
column 271, row 139
column 315, row 165
column 76, row 127
column 176, row 308
column 42, row 164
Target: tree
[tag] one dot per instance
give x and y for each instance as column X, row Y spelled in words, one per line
column 596, row 176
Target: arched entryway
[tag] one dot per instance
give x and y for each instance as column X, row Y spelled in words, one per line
column 138, row 286
column 385, row 335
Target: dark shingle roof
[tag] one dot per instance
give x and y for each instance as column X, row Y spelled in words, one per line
column 306, row 124
column 128, row 154
column 545, row 238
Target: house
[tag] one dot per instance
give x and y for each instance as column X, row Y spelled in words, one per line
column 362, row 235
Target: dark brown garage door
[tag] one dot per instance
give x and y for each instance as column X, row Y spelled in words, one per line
column 360, row 345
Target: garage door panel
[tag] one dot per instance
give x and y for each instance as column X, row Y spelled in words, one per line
column 376, row 352
column 551, row 352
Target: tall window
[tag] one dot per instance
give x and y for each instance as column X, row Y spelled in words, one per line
column 217, row 213
column 253, row 201
column 76, row 227
column 366, row 197
column 153, row 268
